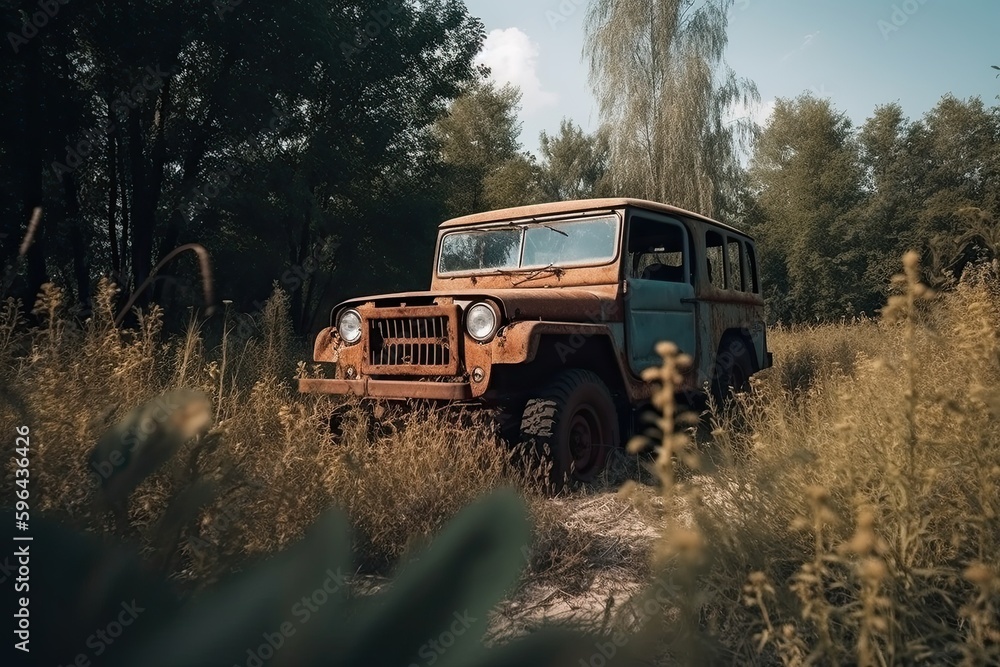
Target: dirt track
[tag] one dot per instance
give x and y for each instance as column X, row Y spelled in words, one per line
column 618, row 540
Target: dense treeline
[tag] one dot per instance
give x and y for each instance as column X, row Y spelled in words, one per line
column 297, row 143
column 272, row 134
column 835, row 206
column 300, row 143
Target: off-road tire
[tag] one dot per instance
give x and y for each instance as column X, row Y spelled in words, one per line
column 572, row 424
column 732, row 370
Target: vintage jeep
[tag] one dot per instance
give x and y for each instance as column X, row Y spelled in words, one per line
column 550, row 313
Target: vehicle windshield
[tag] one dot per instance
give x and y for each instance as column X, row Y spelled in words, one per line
column 530, row 246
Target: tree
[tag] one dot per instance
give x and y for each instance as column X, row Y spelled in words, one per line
column 513, row 183
column 574, row 164
column 959, row 141
column 486, row 166
column 957, row 145
column 807, row 173
column 923, row 178
column 887, row 218
column 263, row 132
column 664, row 92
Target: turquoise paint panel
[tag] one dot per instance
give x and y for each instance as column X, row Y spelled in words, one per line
column 656, row 311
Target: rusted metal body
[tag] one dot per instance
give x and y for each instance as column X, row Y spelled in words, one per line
column 419, row 345
column 587, row 206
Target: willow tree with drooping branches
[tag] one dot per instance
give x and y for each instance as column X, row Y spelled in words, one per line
column 666, row 97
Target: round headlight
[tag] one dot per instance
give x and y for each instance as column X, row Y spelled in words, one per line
column 349, row 326
column 481, row 321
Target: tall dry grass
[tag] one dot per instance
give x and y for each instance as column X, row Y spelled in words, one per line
column 864, row 525
column 271, row 459
column 854, row 519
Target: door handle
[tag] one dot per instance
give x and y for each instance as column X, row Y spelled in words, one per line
column 693, row 302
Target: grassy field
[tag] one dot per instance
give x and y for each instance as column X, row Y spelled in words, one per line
column 844, row 512
column 859, row 521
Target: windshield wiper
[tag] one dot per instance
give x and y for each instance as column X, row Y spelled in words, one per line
column 550, row 227
column 502, row 272
column 537, row 272
column 541, row 224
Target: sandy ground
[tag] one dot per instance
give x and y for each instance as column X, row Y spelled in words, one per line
column 619, row 535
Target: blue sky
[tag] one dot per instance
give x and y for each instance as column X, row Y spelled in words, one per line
column 859, row 53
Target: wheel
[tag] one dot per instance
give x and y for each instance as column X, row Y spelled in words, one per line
column 733, row 368
column 573, row 424
column 336, row 420
column 362, row 417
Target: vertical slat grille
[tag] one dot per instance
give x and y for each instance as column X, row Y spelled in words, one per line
column 409, row 342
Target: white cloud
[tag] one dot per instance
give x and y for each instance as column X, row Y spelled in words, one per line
column 513, row 58
column 759, row 113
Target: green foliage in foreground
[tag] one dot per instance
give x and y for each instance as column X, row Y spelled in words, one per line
column 296, row 608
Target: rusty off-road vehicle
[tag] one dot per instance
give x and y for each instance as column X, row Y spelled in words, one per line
column 550, row 313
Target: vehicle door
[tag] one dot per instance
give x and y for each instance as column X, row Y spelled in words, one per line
column 658, row 270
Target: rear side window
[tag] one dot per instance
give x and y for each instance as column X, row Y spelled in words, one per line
column 735, row 257
column 715, row 259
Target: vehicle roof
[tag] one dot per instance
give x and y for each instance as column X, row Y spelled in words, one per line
column 579, row 206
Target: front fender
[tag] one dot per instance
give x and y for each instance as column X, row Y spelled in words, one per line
column 326, row 346
column 517, row 343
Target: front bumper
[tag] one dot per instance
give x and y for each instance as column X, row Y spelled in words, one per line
column 389, row 389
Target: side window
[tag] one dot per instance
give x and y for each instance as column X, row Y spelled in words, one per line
column 715, row 259
column 656, row 250
column 751, row 263
column 735, row 264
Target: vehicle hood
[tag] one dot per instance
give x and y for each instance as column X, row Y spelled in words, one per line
column 568, row 304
